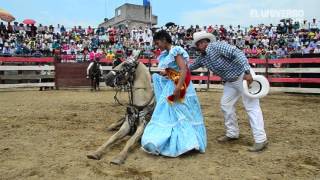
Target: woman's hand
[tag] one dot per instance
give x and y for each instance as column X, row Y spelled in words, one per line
column 163, row 73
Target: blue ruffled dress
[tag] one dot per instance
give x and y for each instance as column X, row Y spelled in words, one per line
column 177, row 128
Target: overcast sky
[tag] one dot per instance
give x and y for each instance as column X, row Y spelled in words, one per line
column 182, row 12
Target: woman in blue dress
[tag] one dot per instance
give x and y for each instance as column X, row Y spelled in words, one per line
column 176, row 126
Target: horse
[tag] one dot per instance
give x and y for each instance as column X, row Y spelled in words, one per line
column 94, row 72
column 141, row 104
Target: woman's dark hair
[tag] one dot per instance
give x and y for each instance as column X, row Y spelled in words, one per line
column 162, row 35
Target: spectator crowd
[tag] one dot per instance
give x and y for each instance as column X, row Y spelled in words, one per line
column 261, row 41
column 276, row 41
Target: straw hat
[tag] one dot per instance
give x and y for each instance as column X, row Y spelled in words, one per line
column 197, row 36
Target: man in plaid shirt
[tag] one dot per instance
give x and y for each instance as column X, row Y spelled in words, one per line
column 231, row 64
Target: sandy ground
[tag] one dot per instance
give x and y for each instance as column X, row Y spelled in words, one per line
column 46, row 135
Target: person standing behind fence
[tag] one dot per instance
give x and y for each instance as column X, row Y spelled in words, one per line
column 231, row 64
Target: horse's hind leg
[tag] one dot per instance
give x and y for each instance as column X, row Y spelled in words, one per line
column 123, row 131
column 119, row 159
column 98, row 82
column 92, row 83
column 116, row 125
column 95, row 83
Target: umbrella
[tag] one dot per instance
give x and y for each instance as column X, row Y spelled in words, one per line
column 169, row 24
column 6, row 16
column 29, row 21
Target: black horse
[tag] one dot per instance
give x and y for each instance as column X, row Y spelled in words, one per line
column 94, row 72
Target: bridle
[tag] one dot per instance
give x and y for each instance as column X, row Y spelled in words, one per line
column 125, row 77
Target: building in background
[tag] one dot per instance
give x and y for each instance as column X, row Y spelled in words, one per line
column 132, row 16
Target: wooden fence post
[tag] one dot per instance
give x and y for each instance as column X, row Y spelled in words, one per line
column 208, row 81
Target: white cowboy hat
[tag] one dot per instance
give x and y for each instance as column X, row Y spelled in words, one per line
column 197, row 36
column 259, row 88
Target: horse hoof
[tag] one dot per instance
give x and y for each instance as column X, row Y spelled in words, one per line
column 93, row 156
column 117, row 161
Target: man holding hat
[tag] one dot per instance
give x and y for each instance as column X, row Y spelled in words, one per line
column 231, row 64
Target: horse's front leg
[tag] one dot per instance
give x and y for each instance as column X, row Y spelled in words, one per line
column 116, row 125
column 119, row 159
column 123, row 131
column 97, row 83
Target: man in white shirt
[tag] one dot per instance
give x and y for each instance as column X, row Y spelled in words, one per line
column 304, row 26
column 148, row 38
column 6, row 50
column 317, row 49
column 148, row 30
column 1, row 43
column 57, row 29
column 265, row 41
column 133, row 34
column 314, row 25
column 135, row 50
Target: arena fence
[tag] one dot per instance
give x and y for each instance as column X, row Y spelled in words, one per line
column 24, row 76
column 71, row 75
column 301, row 75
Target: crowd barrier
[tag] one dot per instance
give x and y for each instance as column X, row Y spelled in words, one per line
column 24, row 76
column 46, row 69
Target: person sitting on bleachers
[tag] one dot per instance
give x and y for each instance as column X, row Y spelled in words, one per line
column 317, row 49
column 94, row 54
column 6, row 49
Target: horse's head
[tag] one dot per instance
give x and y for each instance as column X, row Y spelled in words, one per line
column 123, row 73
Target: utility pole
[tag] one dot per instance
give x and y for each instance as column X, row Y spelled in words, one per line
column 150, row 11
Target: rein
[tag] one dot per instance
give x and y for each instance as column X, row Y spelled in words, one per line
column 135, row 113
column 130, row 93
column 130, row 85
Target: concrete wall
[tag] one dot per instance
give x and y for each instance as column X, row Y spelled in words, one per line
column 132, row 16
column 137, row 13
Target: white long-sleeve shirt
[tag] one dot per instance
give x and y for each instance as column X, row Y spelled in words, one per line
column 89, row 67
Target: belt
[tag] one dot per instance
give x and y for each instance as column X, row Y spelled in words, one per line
column 232, row 80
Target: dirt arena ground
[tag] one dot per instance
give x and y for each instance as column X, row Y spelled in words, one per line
column 46, row 135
